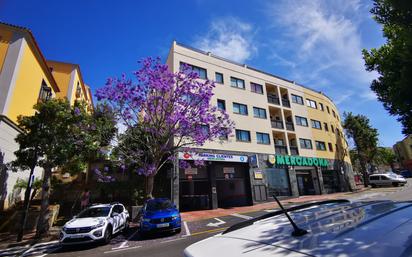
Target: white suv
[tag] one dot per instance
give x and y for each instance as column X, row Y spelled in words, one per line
column 96, row 223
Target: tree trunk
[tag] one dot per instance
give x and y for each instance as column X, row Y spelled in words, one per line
column 149, row 186
column 364, row 172
column 43, row 222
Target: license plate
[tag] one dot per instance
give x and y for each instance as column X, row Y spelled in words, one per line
column 76, row 236
column 163, row 225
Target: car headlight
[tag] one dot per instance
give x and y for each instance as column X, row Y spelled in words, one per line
column 101, row 224
column 64, row 229
column 146, row 220
column 175, row 217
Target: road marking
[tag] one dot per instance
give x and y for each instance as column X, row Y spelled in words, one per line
column 123, row 244
column 122, row 249
column 216, row 224
column 186, row 228
column 209, row 231
column 269, row 210
column 241, row 216
column 171, row 240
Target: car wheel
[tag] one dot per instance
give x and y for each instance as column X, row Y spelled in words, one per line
column 178, row 230
column 108, row 235
column 395, row 184
column 373, row 185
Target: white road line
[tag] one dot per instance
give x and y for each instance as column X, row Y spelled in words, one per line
column 269, row 210
column 186, row 228
column 122, row 249
column 241, row 216
column 171, row 240
column 124, row 244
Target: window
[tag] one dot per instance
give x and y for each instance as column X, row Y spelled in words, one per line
column 239, row 108
column 330, row 147
column 320, row 145
column 259, row 113
column 316, row 124
column 301, row 121
column 219, row 77
column 297, row 99
column 374, row 178
column 221, row 104
column 242, row 135
column 200, row 71
column 337, row 132
column 333, row 113
column 311, row 103
column 327, row 108
column 332, row 128
column 305, row 143
column 325, row 125
column 235, row 82
column 256, row 88
column 262, row 138
column 321, row 107
column 45, row 92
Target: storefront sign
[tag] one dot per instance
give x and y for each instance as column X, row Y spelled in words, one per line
column 300, row 161
column 228, row 170
column 212, row 157
column 253, row 161
column 271, row 159
column 191, row 171
column 258, row 174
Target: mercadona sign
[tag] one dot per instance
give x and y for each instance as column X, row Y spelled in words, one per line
column 300, row 161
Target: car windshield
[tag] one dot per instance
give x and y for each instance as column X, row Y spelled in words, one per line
column 94, row 212
column 158, row 205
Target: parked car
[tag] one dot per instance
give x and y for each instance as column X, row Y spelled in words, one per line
column 158, row 215
column 96, row 223
column 405, row 174
column 386, row 179
column 334, row 228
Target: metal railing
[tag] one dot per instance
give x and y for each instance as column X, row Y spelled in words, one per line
column 281, row 149
column 273, row 99
column 277, row 124
column 285, row 102
column 294, row 150
column 290, row 126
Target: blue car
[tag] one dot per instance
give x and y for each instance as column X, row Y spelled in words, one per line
column 159, row 215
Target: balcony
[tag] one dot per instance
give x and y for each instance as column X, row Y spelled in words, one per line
column 277, row 124
column 281, row 149
column 285, row 103
column 294, row 150
column 273, row 99
column 290, row 126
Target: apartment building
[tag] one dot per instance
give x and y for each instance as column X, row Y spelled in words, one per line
column 288, row 139
column 403, row 150
column 25, row 78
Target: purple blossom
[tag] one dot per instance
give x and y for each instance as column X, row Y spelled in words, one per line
column 165, row 104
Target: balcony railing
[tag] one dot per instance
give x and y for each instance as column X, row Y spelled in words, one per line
column 273, row 99
column 281, row 149
column 285, row 102
column 294, row 150
column 290, row 126
column 277, row 124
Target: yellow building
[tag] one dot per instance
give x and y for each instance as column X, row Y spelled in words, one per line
column 25, row 78
column 403, row 150
column 288, row 138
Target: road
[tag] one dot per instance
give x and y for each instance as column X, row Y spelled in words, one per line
column 169, row 245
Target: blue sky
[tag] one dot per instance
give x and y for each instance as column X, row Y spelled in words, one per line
column 316, row 43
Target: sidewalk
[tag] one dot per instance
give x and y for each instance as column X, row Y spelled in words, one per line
column 207, row 214
column 9, row 240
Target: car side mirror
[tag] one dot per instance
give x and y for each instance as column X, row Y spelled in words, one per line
column 74, row 216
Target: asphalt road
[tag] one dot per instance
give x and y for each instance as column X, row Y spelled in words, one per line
column 171, row 245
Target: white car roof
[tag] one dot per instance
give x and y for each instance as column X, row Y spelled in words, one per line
column 345, row 229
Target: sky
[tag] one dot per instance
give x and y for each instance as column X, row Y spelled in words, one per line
column 315, row 43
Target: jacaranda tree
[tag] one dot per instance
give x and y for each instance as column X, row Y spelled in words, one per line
column 163, row 112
